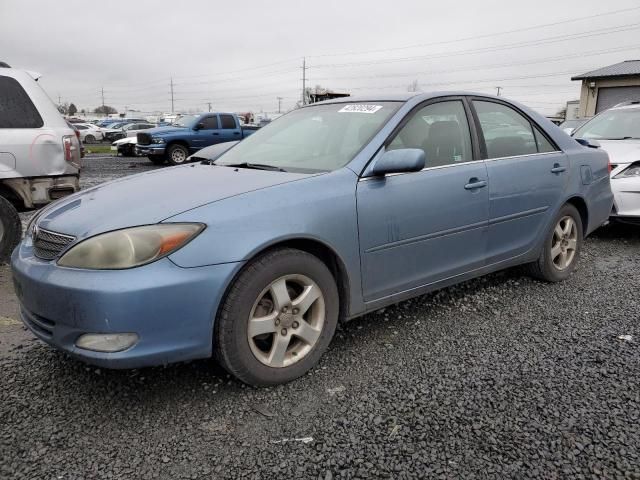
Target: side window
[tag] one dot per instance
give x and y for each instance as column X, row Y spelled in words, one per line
column 441, row 130
column 543, row 144
column 16, row 108
column 228, row 122
column 506, row 132
column 210, row 123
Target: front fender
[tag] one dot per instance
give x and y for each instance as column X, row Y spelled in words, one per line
column 320, row 208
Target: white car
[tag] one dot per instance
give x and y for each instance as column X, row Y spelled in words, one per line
column 618, row 132
column 127, row 130
column 125, row 146
column 89, row 133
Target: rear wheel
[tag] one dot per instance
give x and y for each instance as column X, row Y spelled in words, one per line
column 157, row 159
column 561, row 249
column 10, row 229
column 177, row 154
column 277, row 319
column 89, row 139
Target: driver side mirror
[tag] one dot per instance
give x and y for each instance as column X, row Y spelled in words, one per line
column 399, row 161
column 199, row 126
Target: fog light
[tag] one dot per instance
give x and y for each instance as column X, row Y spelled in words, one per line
column 106, row 342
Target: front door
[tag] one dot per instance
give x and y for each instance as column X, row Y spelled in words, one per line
column 527, row 178
column 419, row 228
column 209, row 134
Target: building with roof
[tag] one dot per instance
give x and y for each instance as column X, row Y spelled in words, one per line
column 608, row 86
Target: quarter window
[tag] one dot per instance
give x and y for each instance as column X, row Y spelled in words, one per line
column 506, row 132
column 441, row 130
column 16, row 108
column 210, row 123
column 228, row 122
column 544, row 145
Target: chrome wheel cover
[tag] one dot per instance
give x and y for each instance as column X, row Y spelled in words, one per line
column 286, row 321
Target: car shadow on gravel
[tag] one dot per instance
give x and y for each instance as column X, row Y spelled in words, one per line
column 618, row 231
column 169, row 383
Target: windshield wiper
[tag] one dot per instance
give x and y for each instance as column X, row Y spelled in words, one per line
column 620, row 138
column 255, row 166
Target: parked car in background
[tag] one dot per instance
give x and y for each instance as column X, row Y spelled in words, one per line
column 189, row 134
column 334, row 210
column 89, row 133
column 110, row 121
column 133, row 129
column 617, row 130
column 125, row 146
column 568, row 126
column 39, row 152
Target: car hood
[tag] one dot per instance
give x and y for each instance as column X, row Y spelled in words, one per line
column 127, row 139
column 164, row 130
column 621, row 151
column 151, row 197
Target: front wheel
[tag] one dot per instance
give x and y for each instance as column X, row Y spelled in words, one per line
column 10, row 229
column 277, row 319
column 562, row 246
column 177, row 154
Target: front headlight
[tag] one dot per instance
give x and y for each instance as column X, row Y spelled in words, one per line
column 157, row 140
column 631, row 171
column 130, row 247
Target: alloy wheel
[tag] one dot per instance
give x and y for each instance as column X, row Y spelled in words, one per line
column 564, row 243
column 286, row 321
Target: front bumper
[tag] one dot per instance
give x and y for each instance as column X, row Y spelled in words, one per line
column 38, row 191
column 172, row 309
column 626, row 193
column 146, row 150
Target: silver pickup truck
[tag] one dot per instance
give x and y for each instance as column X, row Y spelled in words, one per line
column 39, row 152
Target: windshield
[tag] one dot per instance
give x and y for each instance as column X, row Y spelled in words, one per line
column 612, row 125
column 188, row 121
column 313, row 139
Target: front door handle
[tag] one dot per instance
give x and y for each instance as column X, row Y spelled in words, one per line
column 475, row 183
column 215, row 133
column 557, row 168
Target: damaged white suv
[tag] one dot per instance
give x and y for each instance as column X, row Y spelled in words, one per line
column 39, row 152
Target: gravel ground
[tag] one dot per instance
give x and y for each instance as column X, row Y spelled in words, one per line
column 500, row 377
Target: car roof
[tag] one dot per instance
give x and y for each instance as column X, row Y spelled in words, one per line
column 630, row 106
column 406, row 96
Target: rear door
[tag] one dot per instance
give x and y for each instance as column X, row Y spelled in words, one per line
column 229, row 128
column 418, row 228
column 20, row 126
column 527, row 177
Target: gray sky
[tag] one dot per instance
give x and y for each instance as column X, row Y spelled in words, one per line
column 243, row 55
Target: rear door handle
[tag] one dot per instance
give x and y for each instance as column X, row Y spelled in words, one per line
column 474, row 183
column 557, row 168
column 215, row 133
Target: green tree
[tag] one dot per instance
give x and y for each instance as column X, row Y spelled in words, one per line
column 72, row 109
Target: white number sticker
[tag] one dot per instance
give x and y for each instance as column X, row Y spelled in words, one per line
column 360, row 108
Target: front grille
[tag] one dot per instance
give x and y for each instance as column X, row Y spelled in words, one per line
column 38, row 324
column 144, row 139
column 48, row 245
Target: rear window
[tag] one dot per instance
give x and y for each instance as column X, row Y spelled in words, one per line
column 228, row 122
column 16, row 108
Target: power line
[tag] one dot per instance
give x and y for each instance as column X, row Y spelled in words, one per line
column 477, row 37
column 544, row 41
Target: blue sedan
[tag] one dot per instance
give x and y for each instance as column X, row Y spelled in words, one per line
column 332, row 211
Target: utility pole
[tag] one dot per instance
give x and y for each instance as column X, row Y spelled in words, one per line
column 279, row 103
column 59, row 100
column 171, row 84
column 103, row 109
column 304, row 80
column 498, row 89
column 209, row 106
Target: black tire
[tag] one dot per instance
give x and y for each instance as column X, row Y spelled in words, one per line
column 157, row 159
column 177, row 154
column 10, row 229
column 231, row 345
column 89, row 139
column 544, row 268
